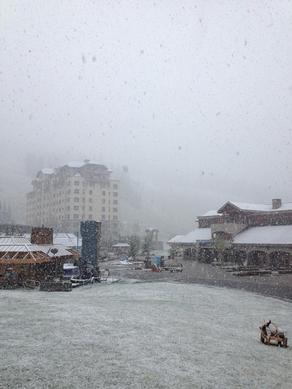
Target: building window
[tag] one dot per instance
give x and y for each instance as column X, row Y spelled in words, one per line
column 76, row 208
column 90, row 208
column 89, row 217
column 115, row 202
column 90, row 192
column 76, row 191
column 90, row 200
column 102, row 217
column 103, row 192
column 115, row 209
column 103, row 201
column 115, row 194
column 76, row 199
column 76, row 183
column 103, row 209
column 115, row 217
column 75, row 216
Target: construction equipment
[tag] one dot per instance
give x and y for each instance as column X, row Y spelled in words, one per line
column 273, row 335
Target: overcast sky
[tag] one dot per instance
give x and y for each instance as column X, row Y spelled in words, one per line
column 195, row 97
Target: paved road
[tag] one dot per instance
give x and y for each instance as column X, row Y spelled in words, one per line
column 195, row 272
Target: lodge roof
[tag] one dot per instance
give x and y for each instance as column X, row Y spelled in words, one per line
column 265, row 235
column 256, row 207
column 175, row 239
column 26, row 248
column 59, row 238
column 15, row 240
column 251, row 207
column 117, row 245
column 18, row 250
column 199, row 234
column 211, row 213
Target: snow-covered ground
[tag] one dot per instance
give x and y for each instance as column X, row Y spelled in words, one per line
column 141, row 335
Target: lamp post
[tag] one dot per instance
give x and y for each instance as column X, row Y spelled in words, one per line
column 54, row 252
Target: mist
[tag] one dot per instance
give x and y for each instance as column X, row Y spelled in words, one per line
column 194, row 98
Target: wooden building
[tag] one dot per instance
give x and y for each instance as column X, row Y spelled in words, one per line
column 247, row 234
column 35, row 259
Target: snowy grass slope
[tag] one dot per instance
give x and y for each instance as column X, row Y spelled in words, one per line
column 144, row 335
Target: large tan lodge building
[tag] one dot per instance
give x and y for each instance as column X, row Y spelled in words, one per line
column 64, row 196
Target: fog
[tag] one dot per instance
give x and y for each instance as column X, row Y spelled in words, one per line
column 194, row 97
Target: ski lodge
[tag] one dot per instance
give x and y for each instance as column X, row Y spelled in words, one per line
column 243, row 233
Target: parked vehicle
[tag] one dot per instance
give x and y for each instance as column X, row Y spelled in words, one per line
column 69, row 271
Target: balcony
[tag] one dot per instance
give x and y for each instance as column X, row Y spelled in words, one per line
column 227, row 229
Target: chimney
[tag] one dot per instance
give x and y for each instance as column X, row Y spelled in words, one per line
column 41, row 235
column 276, row 203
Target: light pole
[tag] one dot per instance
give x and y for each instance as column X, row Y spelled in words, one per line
column 54, row 252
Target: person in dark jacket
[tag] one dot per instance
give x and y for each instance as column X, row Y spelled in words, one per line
column 265, row 326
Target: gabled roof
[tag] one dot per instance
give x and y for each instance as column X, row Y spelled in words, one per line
column 14, row 240
column 30, row 253
column 255, row 207
column 44, row 248
column 62, row 238
column 211, row 213
column 67, row 240
column 175, row 239
column 199, row 234
column 117, row 245
column 48, row 171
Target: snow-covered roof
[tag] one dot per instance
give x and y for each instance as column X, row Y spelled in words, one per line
column 61, row 242
column 59, row 238
column 211, row 213
column 21, row 248
column 121, row 245
column 14, row 240
column 48, row 171
column 78, row 164
column 265, row 235
column 75, row 164
column 196, row 235
column 175, row 239
column 68, row 240
column 46, row 249
column 258, row 207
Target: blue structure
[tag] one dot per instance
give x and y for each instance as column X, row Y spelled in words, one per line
column 156, row 260
column 91, row 233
